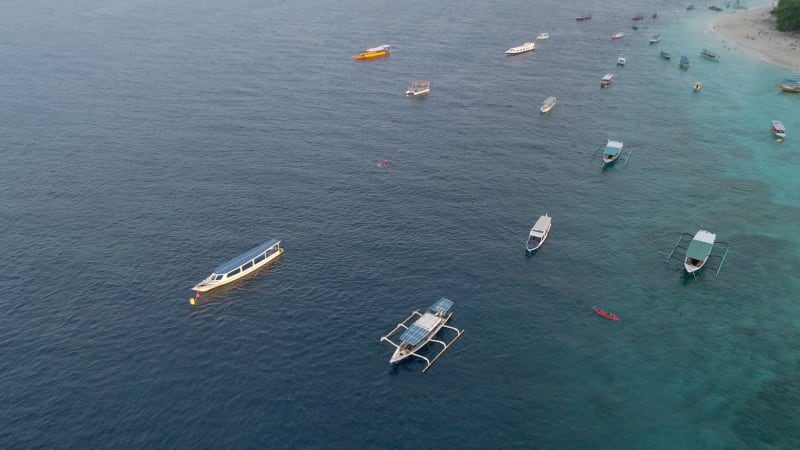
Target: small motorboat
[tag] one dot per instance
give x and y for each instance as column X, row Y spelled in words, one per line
column 583, row 18
column 612, row 152
column 419, row 88
column 617, row 36
column 698, row 85
column 549, row 103
column 607, row 80
column 655, row 38
column 603, row 313
column 666, row 55
column 638, row 17
column 543, row 36
column 684, row 64
column 778, row 129
column 621, row 60
column 539, row 233
column 699, row 250
column 708, row 54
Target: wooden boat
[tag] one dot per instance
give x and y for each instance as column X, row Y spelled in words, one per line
column 684, row 64
column 539, row 233
column 621, row 60
column 698, row 85
column 603, row 313
column 699, row 250
column 778, row 129
column 241, row 266
column 655, row 38
column 583, row 18
column 665, row 55
column 422, row 331
column 419, row 88
column 612, row 152
column 526, row 47
column 607, row 80
column 790, row 87
column 374, row 52
column 616, row 36
column 543, row 36
column 548, row 104
column 708, row 54
column 638, row 17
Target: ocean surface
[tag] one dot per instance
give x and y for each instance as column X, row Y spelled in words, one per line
column 144, row 142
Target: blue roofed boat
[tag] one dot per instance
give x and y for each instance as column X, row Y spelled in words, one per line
column 612, row 152
column 699, row 250
column 241, row 266
column 684, row 64
column 422, row 331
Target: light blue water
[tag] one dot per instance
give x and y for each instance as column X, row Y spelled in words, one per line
column 146, row 142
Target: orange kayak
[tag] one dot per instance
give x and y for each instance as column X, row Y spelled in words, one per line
column 601, row 312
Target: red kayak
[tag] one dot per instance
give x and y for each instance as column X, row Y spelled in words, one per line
column 610, row 316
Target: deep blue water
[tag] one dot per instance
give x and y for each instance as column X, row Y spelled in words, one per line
column 145, row 142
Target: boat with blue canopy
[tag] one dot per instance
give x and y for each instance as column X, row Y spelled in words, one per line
column 612, row 152
column 423, row 330
column 684, row 64
column 241, row 266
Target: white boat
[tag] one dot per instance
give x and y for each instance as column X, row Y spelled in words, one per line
column 606, row 80
column 241, row 266
column 526, row 47
column 778, row 129
column 616, row 36
column 655, row 38
column 621, row 60
column 422, row 331
column 543, row 36
column 699, row 250
column 548, row 104
column 538, row 233
column 419, row 88
column 612, row 152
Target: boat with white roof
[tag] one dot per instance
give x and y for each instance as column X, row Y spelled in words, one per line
column 419, row 88
column 539, row 233
column 543, row 36
column 526, row 47
column 241, row 266
column 778, row 129
column 548, row 104
column 612, row 152
column 422, row 331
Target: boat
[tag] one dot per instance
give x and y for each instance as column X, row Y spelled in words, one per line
column 655, row 38
column 242, row 265
column 374, row 52
column 607, row 80
column 708, row 54
column 419, row 88
column 542, row 36
column 621, row 60
column 684, row 64
column 635, row 27
column 698, row 85
column 538, row 233
column 778, row 129
column 616, row 36
column 665, row 55
column 526, row 47
column 583, row 18
column 638, row 17
column 422, row 331
column 790, row 87
column 548, row 104
column 689, row 7
column 792, row 79
column 655, row 15
column 603, row 313
column 699, row 250
column 612, row 152
column 714, row 8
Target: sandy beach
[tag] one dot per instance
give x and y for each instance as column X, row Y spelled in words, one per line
column 753, row 31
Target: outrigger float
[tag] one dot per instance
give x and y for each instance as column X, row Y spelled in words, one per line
column 699, row 251
column 422, row 331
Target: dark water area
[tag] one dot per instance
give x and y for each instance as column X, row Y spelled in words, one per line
column 146, row 142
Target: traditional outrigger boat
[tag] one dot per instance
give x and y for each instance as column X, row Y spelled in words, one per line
column 422, row 331
column 621, row 60
column 607, row 80
column 699, row 250
column 539, row 233
column 792, row 86
column 612, row 152
column 374, row 52
column 548, row 104
column 543, row 36
column 778, row 129
column 419, row 88
column 241, row 266
column 526, row 47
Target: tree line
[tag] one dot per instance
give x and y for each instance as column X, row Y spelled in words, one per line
column 787, row 15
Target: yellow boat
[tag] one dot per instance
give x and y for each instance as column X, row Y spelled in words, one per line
column 374, row 52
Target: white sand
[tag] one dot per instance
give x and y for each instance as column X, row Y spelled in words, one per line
column 753, row 31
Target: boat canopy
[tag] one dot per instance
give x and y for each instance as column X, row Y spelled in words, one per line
column 778, row 126
column 421, row 328
column 442, row 305
column 701, row 245
column 542, row 225
column 613, row 147
column 246, row 256
column 379, row 48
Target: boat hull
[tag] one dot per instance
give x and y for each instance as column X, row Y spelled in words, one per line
column 371, row 55
column 400, row 353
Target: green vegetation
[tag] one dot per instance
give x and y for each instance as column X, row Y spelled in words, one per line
column 788, row 15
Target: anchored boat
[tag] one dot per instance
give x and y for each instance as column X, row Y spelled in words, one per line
column 419, row 88
column 374, row 52
column 538, row 233
column 607, row 80
column 583, row 18
column 612, row 152
column 603, row 313
column 708, row 54
column 422, row 331
column 526, row 47
column 241, row 266
column 548, row 104
column 655, row 38
column 699, row 250
column 778, row 129
column 684, row 64
column 621, row 60
column 792, row 86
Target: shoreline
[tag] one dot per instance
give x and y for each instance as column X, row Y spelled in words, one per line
column 753, row 31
